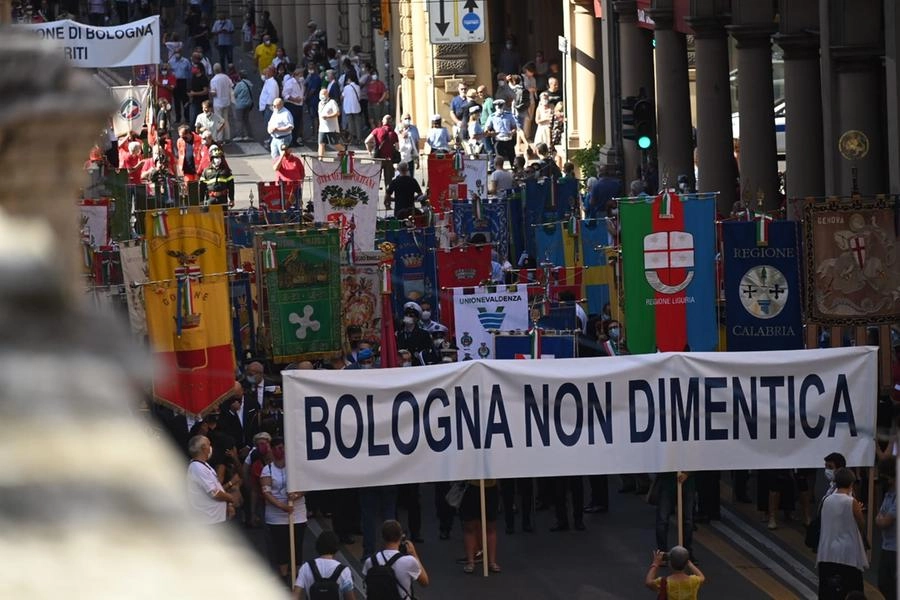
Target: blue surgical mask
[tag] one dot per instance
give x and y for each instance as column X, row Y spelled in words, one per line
column 614, row 333
column 251, row 379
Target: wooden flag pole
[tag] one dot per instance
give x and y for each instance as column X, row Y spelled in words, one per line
column 680, row 509
column 291, row 538
column 484, row 549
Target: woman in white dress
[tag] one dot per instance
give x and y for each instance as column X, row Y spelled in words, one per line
column 841, row 555
column 543, row 116
column 279, row 505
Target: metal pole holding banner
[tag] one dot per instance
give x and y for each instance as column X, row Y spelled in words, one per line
column 680, row 508
column 484, row 547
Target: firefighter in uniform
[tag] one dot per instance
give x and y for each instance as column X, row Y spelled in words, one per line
column 217, row 181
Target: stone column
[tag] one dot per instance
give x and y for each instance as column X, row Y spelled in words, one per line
column 758, row 153
column 287, row 30
column 317, row 14
column 301, row 18
column 636, row 73
column 332, row 23
column 853, row 44
column 586, row 123
column 673, row 106
column 354, row 23
column 804, row 145
column 892, row 72
column 717, row 171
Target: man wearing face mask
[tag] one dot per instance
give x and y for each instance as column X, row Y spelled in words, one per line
column 264, row 53
column 217, row 181
column 181, row 69
column 509, row 61
column 212, row 502
column 415, row 339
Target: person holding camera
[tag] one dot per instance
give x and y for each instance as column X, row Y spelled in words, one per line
column 685, row 580
column 399, row 554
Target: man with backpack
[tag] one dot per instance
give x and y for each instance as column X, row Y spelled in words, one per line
column 390, row 573
column 324, row 578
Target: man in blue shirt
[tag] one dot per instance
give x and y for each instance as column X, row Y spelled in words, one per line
column 181, row 68
column 502, row 127
column 605, row 189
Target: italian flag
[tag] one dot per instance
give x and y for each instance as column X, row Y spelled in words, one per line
column 668, row 256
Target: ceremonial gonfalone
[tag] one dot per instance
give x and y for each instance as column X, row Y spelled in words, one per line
column 852, row 262
column 188, row 307
column 346, row 191
column 762, row 285
column 668, row 254
column 301, row 271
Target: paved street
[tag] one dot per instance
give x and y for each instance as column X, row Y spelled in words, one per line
column 741, row 559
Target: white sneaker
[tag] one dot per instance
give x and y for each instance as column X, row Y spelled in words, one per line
column 772, row 524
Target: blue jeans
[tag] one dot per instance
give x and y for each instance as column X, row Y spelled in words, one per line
column 371, row 499
column 668, row 505
column 275, row 145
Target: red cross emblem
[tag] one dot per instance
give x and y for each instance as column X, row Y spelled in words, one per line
column 858, row 247
column 668, row 250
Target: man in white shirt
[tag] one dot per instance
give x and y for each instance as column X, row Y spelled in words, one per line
column 210, row 500
column 281, row 127
column 293, row 92
column 500, row 180
column 327, row 545
column 328, row 123
column 352, row 111
column 220, row 87
column 211, row 122
column 408, row 568
column 267, row 96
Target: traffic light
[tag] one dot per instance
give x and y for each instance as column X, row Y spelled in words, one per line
column 643, row 124
column 628, row 131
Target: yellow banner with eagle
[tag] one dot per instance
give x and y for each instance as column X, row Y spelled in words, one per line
column 188, row 307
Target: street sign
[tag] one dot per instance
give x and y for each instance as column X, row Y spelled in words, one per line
column 456, row 21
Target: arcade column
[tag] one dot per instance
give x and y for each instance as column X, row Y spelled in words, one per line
column 717, row 170
column 636, row 68
column 673, row 105
column 804, row 145
column 852, row 50
column 758, row 152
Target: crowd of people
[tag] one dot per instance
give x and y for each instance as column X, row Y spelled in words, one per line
column 237, row 468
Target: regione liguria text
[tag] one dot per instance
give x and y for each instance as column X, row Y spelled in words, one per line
column 626, row 414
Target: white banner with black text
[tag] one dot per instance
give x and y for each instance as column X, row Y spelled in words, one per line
column 626, row 414
column 86, row 46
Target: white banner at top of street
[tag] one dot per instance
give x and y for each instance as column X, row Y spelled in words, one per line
column 456, row 21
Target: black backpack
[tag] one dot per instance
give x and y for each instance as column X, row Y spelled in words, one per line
column 381, row 581
column 324, row 588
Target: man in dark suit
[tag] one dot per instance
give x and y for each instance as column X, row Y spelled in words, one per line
column 231, row 419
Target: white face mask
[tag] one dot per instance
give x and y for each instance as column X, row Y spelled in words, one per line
column 426, row 315
column 407, row 121
column 210, row 453
column 323, row 98
column 829, row 475
column 409, row 321
column 216, row 162
column 406, row 363
column 374, row 77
